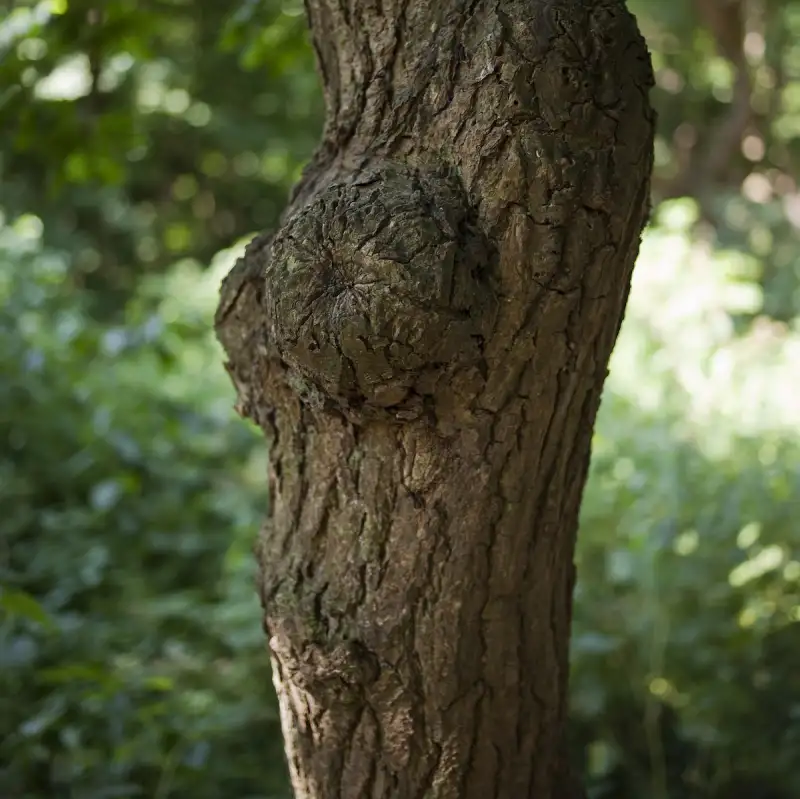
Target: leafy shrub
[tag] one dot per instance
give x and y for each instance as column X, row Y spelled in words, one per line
column 685, row 643
column 132, row 656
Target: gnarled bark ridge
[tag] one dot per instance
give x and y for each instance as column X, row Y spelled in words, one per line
column 424, row 342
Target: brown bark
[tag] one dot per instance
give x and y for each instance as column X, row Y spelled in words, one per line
column 424, row 342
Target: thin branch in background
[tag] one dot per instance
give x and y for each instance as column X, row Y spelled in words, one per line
column 703, row 167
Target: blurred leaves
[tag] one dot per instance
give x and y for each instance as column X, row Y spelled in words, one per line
column 140, row 144
column 689, row 555
column 131, row 648
column 145, row 132
column 20, row 605
column 728, row 98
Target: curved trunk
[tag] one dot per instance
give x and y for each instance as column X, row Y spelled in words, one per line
column 424, row 342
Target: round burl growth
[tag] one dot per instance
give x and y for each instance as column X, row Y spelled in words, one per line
column 374, row 291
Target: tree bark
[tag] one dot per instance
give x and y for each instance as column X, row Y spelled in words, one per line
column 424, row 342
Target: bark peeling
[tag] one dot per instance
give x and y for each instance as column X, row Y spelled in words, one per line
column 424, row 343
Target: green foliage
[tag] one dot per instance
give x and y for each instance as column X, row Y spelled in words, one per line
column 148, row 137
column 689, row 557
column 146, row 132
column 131, row 659
column 728, row 96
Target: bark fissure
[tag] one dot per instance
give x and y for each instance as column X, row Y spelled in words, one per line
column 424, row 341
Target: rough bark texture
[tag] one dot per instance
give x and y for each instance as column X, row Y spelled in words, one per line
column 424, row 342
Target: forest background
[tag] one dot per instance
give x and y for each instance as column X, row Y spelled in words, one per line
column 141, row 145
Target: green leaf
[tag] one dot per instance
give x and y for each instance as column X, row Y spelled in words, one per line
column 22, row 605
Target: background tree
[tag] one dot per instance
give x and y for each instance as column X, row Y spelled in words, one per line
column 436, row 312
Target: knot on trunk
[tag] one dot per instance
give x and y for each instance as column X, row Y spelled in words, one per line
column 374, row 291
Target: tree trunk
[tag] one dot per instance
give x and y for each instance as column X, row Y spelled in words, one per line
column 424, row 342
